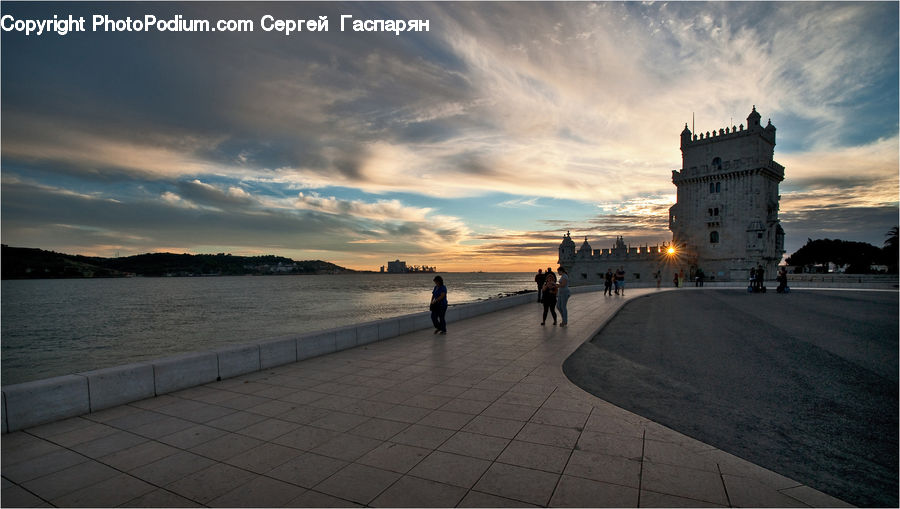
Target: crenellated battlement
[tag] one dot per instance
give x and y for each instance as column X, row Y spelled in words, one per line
column 734, row 132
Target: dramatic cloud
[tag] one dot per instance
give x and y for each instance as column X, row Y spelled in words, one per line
column 479, row 142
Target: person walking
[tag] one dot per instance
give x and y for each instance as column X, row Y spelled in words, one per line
column 620, row 281
column 539, row 279
column 439, row 306
column 658, row 276
column 681, row 278
column 608, row 282
column 549, row 297
column 562, row 296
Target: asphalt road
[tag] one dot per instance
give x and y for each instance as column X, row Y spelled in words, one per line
column 804, row 384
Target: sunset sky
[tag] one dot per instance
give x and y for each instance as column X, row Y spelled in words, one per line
column 474, row 146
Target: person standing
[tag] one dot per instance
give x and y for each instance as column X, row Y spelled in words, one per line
column 549, row 298
column 658, row 276
column 620, row 280
column 681, row 278
column 439, row 306
column 562, row 297
column 608, row 282
column 539, row 279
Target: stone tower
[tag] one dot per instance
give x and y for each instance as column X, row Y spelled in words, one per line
column 725, row 218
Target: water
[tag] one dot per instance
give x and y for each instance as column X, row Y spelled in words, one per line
column 62, row 326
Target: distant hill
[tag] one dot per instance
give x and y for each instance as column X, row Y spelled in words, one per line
column 30, row 263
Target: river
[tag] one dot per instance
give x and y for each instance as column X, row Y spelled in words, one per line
column 63, row 326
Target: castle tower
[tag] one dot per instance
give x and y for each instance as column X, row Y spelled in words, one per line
column 725, row 219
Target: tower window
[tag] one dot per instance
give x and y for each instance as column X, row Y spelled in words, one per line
column 717, row 163
column 713, row 237
column 716, row 211
column 718, row 188
column 715, row 187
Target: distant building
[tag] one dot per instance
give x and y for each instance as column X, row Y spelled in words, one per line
column 396, row 267
column 725, row 219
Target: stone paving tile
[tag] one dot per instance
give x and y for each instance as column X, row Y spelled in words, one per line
column 675, row 454
column 160, row 498
column 419, row 435
column 562, row 418
column 475, row 445
column 494, row 426
column 243, row 402
column 20, row 446
column 339, row 421
column 611, row 445
column 163, row 427
column 55, row 428
column 307, row 469
column 306, row 437
column 68, row 480
column 466, row 406
column 549, row 435
column 269, row 429
column 394, row 457
column 192, row 437
column 732, row 465
column 358, row 483
column 304, row 414
column 509, row 411
column 42, row 465
column 604, row 468
column 518, row 483
column 16, row 496
column 478, row 499
column 208, row 484
column 259, row 492
column 653, row 499
column 536, row 456
column 379, row 429
column 683, row 482
column 137, row 456
column 447, row 420
column 236, row 421
column 264, row 458
column 111, row 443
column 578, row 492
column 448, row 468
column 171, row 468
column 415, row 492
column 315, row 499
column 347, row 447
column 109, row 493
column 86, row 434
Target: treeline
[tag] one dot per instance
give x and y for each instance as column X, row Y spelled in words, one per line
column 30, row 263
column 853, row 257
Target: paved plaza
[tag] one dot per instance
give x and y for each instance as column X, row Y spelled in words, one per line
column 481, row 417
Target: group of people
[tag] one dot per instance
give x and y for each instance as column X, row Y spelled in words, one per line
column 554, row 294
column 616, row 279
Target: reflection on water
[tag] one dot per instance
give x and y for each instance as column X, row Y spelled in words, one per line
column 61, row 326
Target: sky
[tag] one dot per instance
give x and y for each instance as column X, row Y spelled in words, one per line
column 473, row 146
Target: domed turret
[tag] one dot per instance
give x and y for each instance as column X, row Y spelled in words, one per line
column 685, row 136
column 585, row 250
column 566, row 250
column 753, row 119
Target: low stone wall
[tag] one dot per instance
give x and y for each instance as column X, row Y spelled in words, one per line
column 33, row 403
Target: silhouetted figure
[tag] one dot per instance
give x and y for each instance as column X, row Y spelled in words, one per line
column 608, row 282
column 549, row 298
column 562, row 296
column 439, row 306
column 620, row 281
column 539, row 279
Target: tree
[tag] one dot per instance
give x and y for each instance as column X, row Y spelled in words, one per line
column 890, row 250
column 857, row 257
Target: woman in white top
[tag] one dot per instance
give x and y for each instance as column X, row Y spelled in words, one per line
column 562, row 297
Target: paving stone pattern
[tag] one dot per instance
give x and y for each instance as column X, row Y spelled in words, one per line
column 481, row 417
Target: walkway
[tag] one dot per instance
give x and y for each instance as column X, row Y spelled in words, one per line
column 481, row 417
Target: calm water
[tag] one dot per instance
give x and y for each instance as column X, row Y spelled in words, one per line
column 63, row 326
